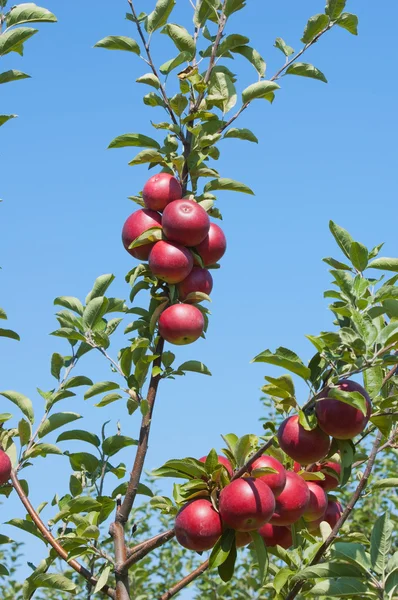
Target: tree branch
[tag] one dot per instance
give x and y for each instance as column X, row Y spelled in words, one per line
column 122, row 577
column 141, row 550
column 62, row 553
column 127, row 504
column 185, row 581
column 346, row 513
column 251, row 460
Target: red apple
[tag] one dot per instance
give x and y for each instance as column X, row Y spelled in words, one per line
column 198, row 526
column 199, row 280
column 136, row 224
column 5, row 467
column 275, row 481
column 242, row 538
column 246, row 504
column 339, row 419
column 222, row 461
column 318, row 502
column 161, row 189
column 170, row 262
column 333, row 513
column 304, row 446
column 293, row 501
column 213, row 246
column 276, row 536
column 181, row 324
column 330, row 482
column 185, row 222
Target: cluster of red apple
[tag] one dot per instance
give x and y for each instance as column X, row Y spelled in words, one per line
column 5, row 467
column 270, row 503
column 188, row 234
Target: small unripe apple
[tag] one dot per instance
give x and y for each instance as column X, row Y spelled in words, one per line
column 275, row 481
column 242, row 538
column 135, row 225
column 304, row 446
column 330, row 482
column 185, row 222
column 292, row 502
column 5, row 467
column 199, row 280
column 181, row 324
column 160, row 190
column 276, row 536
column 213, row 246
column 246, row 504
column 198, row 526
column 333, row 513
column 318, row 502
column 338, row 419
column 222, row 461
column 170, row 262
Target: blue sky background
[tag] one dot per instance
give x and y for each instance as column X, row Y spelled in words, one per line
column 325, row 152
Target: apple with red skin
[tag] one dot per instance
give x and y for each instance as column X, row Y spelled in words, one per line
column 181, row 324
column 330, row 482
column 275, row 481
column 338, row 419
column 246, row 504
column 185, row 222
column 318, row 502
column 135, row 225
column 170, row 262
column 160, row 190
column 276, row 536
column 292, row 502
column 304, row 446
column 198, row 526
column 213, row 246
column 333, row 513
column 222, row 461
column 5, row 467
column 199, row 280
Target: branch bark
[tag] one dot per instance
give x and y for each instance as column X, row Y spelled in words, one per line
column 127, row 504
column 186, row 581
column 141, row 550
column 122, row 577
column 62, row 553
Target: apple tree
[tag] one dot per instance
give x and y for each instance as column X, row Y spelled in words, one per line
column 274, row 512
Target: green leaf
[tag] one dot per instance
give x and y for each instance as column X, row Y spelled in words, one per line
column 158, row 17
column 12, row 41
column 230, row 42
column 222, row 548
column 168, row 66
column 8, row 333
column 347, row 454
column 153, row 234
column 178, row 103
column 283, row 47
column 55, row 421
column 195, row 366
column 52, row 581
column 241, row 134
column 334, row 8
column 351, row 398
column 285, row 358
column 342, row 237
column 25, row 431
column 119, row 42
column 373, row 379
column 57, row 362
column 5, row 417
column 75, row 485
column 391, row 582
column 103, row 578
column 226, row 570
column 114, row 443
column 181, row 38
column 42, row 450
column 188, row 468
column 134, row 139
column 328, row 569
column 306, row 70
column 244, row 447
column 99, row 388
column 262, row 555
column 354, row 553
column 23, row 403
column 76, row 382
column 349, row 22
column 336, row 264
column 5, row 118
column 388, row 335
column 3, row 571
column 81, row 435
column 29, row 13
column 386, row 483
column 100, row 286
column 343, row 586
column 94, row 311
column 70, row 302
column 232, row 6
column 380, row 543
column 148, row 156
column 27, row 526
column 359, row 256
column 386, row 264
column 227, row 185
column 203, row 10
column 12, row 75
column 149, row 79
column 80, row 460
column 261, row 89
column 315, row 25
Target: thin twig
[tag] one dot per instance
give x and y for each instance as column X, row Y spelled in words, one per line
column 47, row 535
column 251, row 460
column 185, row 581
column 141, row 550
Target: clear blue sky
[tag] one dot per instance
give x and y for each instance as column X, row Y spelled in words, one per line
column 325, row 152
